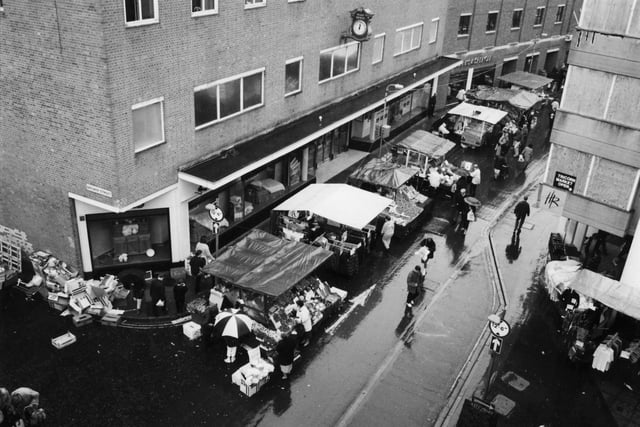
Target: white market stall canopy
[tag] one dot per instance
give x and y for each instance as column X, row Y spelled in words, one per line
column 427, row 143
column 478, row 112
column 340, row 203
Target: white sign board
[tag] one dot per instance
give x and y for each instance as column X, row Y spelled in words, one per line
column 99, row 190
column 501, row 329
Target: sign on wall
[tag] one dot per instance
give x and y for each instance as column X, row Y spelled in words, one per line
column 552, row 198
column 564, row 181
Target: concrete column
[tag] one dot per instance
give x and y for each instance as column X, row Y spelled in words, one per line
column 631, row 271
column 469, row 79
column 570, row 230
column 305, row 164
column 581, row 232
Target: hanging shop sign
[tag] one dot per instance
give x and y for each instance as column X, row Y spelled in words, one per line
column 564, row 181
column 500, row 329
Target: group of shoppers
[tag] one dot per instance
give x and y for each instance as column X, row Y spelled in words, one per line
column 20, row 408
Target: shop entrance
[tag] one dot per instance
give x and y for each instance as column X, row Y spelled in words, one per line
column 551, row 61
column 509, row 66
column 483, row 76
column 531, row 63
column 457, row 82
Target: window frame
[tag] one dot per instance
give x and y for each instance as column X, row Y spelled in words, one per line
column 437, row 24
column 205, row 12
column 382, row 36
column 521, row 12
column 410, row 28
column 255, row 4
column 1, row 6
column 495, row 25
column 220, row 82
column 563, row 6
column 300, row 60
column 464, row 15
column 144, row 104
column 141, row 22
column 346, row 59
column 543, row 8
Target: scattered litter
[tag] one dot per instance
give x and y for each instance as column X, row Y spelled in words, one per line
column 63, row 340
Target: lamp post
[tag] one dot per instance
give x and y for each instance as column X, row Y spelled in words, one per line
column 390, row 88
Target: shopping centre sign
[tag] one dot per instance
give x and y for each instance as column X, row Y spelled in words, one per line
column 476, row 60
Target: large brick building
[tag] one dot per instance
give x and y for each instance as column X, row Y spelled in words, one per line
column 120, row 121
column 498, row 37
column 594, row 142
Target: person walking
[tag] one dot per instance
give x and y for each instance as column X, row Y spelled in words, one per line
column 414, row 281
column 425, row 252
column 158, row 297
column 203, row 246
column 521, row 210
column 196, row 263
column 475, row 179
column 179, row 294
column 303, row 317
column 286, row 350
column 388, row 228
column 139, row 286
column 468, row 217
column 461, row 207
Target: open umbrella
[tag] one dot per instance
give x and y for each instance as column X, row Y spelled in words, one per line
column 234, row 325
column 472, row 201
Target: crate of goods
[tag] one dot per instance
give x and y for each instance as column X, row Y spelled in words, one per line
column 58, row 301
column 63, row 340
column 110, row 319
column 192, row 330
column 82, row 319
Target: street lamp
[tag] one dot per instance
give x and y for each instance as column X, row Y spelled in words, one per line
column 390, row 88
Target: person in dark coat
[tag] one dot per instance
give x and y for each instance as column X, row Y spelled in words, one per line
column 179, row 293
column 522, row 211
column 286, row 349
column 157, row 295
column 139, row 286
column 414, row 282
column 431, row 108
column 461, row 206
column 196, row 263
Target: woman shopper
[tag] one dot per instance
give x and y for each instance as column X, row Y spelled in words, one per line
column 286, row 350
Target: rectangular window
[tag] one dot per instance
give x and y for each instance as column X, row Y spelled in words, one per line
column 147, row 124
column 293, row 76
column 378, row 48
column 539, row 16
column 408, row 38
column 140, row 12
column 433, row 30
column 492, row 22
column 204, row 7
column 1, row 6
column 464, row 24
column 249, row 4
column 228, row 97
column 516, row 19
column 338, row 61
column 559, row 14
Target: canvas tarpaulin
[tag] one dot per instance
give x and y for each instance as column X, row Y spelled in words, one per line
column 340, row 203
column 526, row 80
column 427, row 143
column 267, row 264
column 519, row 98
column 383, row 173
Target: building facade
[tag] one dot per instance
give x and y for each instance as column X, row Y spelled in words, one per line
column 498, row 37
column 121, row 122
column 594, row 141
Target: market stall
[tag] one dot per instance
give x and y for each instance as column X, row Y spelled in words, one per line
column 421, row 150
column 269, row 275
column 516, row 102
column 391, row 180
column 523, row 79
column 337, row 217
column 475, row 125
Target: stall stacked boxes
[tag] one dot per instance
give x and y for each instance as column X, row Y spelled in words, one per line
column 255, row 374
column 192, row 330
column 12, row 244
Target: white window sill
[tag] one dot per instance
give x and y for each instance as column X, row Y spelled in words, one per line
column 557, row 23
column 215, row 122
column 141, row 23
column 337, row 77
column 515, row 28
column 406, row 51
column 461, row 36
column 204, row 13
column 537, row 26
column 376, row 62
column 255, row 6
column 293, row 93
column 146, row 147
column 490, row 32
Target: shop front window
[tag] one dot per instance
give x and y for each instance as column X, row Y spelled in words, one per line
column 483, row 77
column 457, row 82
column 129, row 239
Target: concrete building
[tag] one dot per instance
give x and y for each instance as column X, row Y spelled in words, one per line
column 498, row 37
column 121, row 121
column 595, row 155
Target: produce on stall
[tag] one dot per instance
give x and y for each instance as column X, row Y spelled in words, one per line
column 391, row 180
column 337, row 217
column 269, row 275
column 516, row 102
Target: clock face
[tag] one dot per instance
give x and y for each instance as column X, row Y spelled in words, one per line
column 359, row 27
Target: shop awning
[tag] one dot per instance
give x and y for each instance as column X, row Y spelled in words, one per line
column 383, row 173
column 340, row 203
column 622, row 297
column 427, row 143
column 526, row 80
column 267, row 264
column 260, row 150
column 478, row 112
